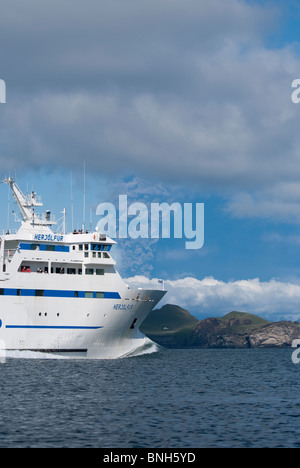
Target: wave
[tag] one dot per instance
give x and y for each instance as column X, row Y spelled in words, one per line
column 149, row 347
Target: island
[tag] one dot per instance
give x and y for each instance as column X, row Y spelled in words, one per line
column 174, row 327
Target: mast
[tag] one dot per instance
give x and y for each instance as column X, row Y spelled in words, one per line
column 27, row 204
column 83, row 227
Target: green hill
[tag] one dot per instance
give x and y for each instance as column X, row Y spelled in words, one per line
column 170, row 326
column 167, row 320
column 242, row 320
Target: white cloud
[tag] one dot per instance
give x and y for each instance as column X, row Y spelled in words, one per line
column 280, row 202
column 183, row 89
column 273, row 300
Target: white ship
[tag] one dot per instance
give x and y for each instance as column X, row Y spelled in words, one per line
column 61, row 293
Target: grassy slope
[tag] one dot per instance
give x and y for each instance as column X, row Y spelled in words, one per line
column 167, row 320
column 242, row 321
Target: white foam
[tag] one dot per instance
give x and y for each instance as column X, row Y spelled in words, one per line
column 149, row 347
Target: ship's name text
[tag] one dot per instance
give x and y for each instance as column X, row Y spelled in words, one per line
column 123, row 307
column 48, row 237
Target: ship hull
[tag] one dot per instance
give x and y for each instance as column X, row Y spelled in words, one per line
column 94, row 328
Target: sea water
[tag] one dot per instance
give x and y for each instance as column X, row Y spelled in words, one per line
column 163, row 399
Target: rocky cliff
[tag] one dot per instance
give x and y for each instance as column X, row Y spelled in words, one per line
column 239, row 333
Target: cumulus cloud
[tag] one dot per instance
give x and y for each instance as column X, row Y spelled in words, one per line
column 183, row 89
column 74, row 43
column 273, row 300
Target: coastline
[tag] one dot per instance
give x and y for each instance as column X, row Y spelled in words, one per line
column 234, row 330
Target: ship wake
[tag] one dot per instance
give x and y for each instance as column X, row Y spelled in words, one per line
column 148, row 347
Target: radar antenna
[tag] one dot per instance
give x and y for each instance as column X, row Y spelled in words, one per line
column 27, row 204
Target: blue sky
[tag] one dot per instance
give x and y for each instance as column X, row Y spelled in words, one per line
column 165, row 101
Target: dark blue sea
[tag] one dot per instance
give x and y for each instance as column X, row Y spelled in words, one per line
column 167, row 399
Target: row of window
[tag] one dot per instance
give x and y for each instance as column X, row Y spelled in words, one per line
column 62, row 271
column 45, row 248
column 93, row 247
column 96, row 254
column 65, row 248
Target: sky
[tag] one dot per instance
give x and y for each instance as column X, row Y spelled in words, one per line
column 164, row 101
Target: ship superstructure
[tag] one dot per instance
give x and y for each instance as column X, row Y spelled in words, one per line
column 61, row 292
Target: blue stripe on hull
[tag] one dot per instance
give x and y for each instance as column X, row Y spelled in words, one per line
column 53, row 327
column 58, row 293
